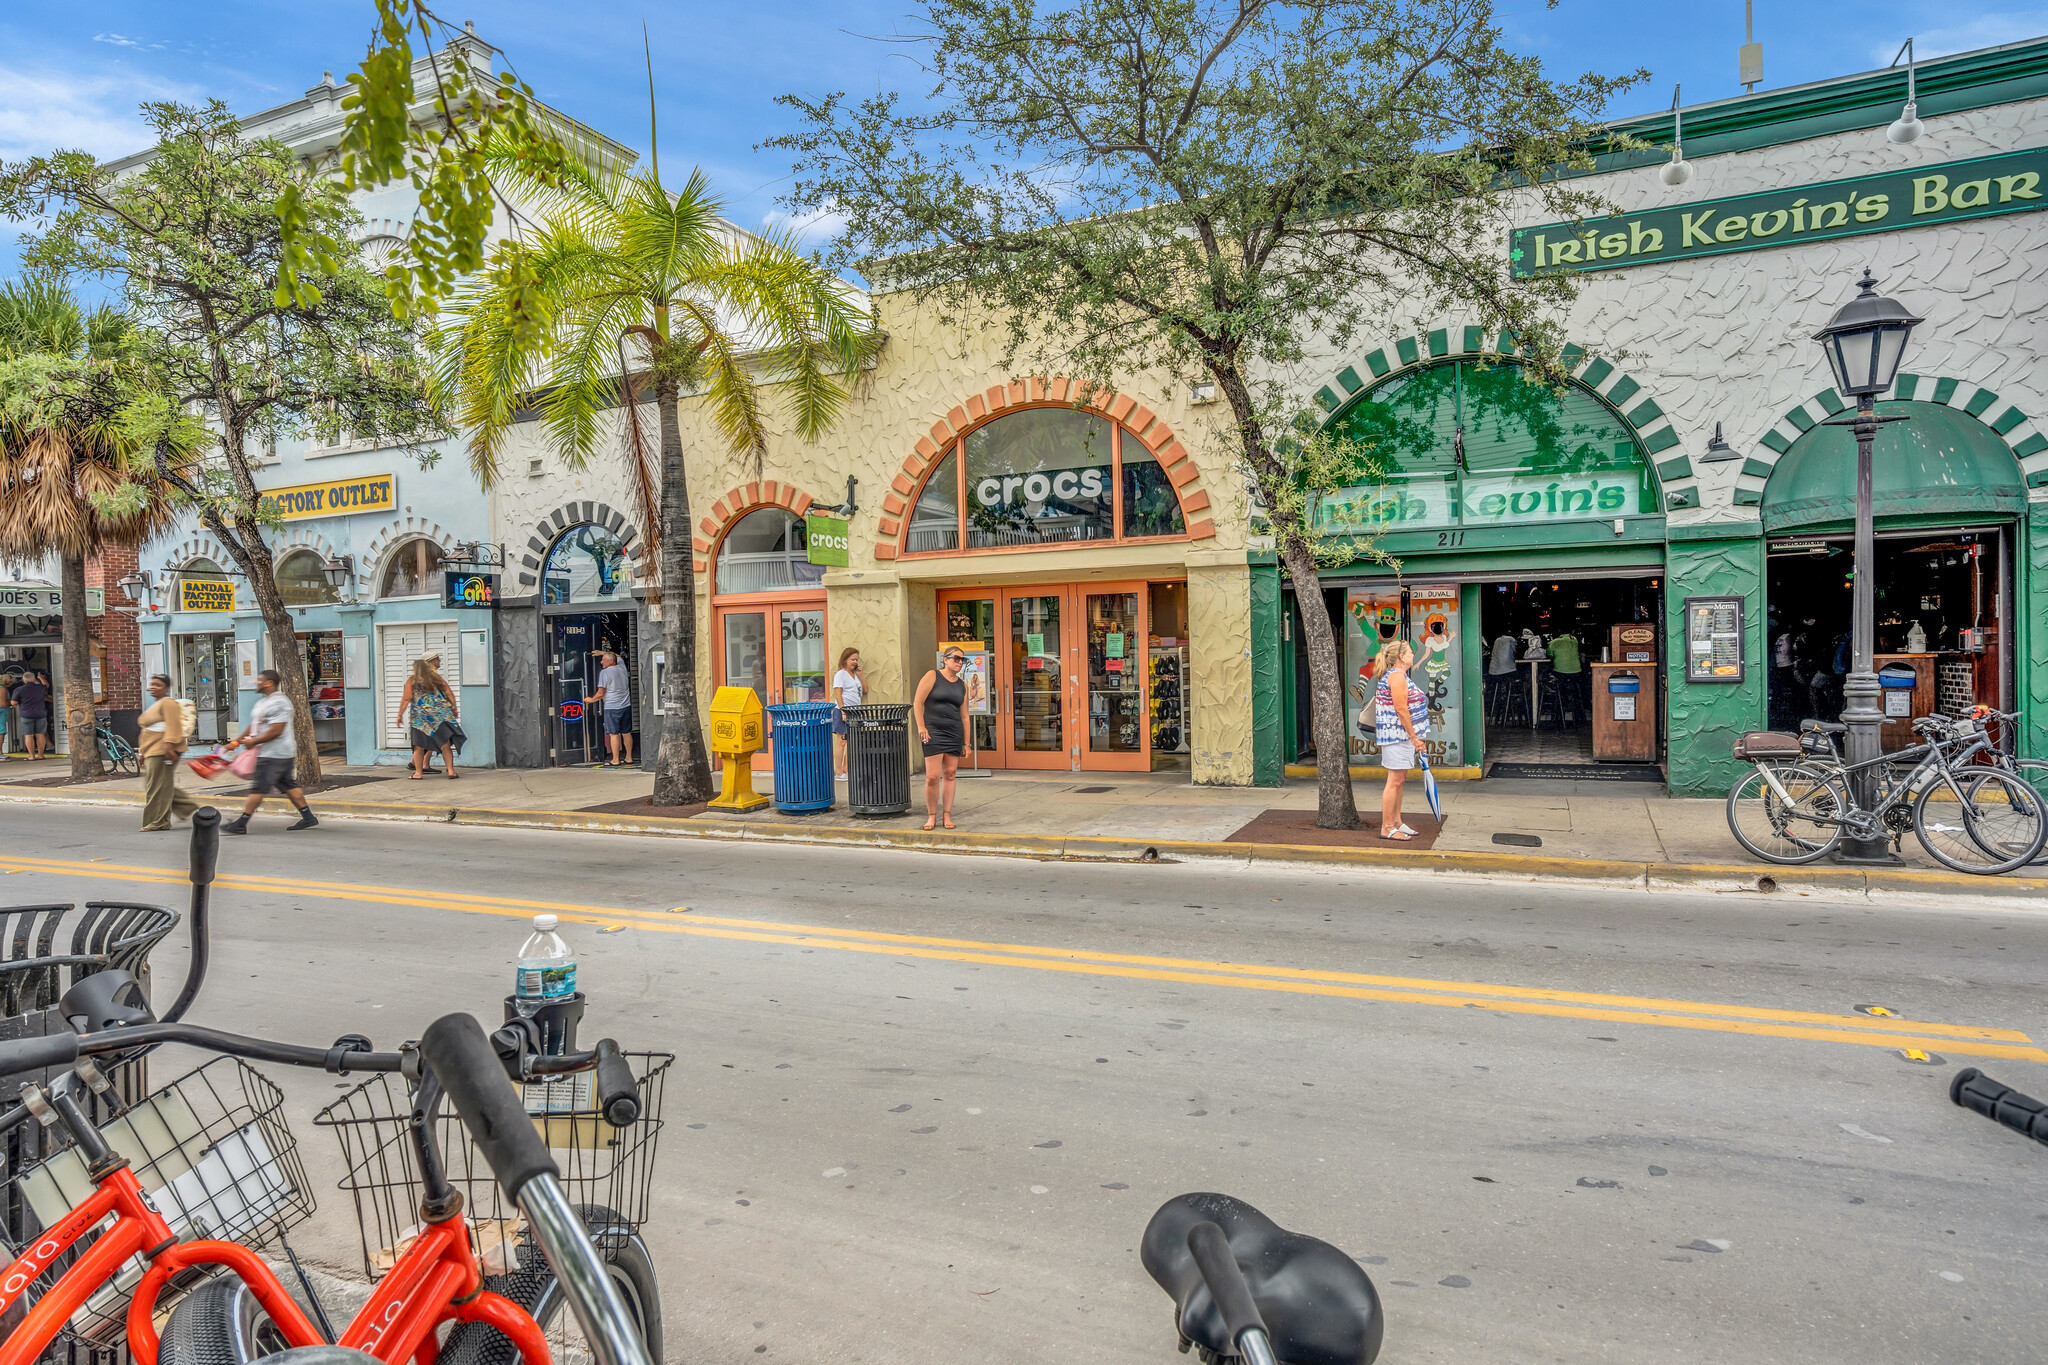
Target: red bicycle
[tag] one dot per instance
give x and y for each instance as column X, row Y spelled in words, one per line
column 438, row 1277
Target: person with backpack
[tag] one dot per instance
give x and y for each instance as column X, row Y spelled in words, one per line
column 163, row 727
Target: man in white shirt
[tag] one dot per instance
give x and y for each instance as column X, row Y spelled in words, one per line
column 270, row 732
column 615, row 690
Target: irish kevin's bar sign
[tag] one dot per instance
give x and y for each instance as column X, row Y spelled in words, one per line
column 1940, row 192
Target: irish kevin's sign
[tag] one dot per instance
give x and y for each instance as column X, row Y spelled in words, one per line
column 1942, row 192
column 336, row 498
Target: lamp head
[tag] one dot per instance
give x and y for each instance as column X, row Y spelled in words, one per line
column 1865, row 340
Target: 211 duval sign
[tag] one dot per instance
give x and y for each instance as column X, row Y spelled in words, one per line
column 1943, row 192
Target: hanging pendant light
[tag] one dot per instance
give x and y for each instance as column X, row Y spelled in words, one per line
column 1909, row 127
column 1678, row 170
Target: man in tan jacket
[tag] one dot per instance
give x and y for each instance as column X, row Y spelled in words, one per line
column 163, row 744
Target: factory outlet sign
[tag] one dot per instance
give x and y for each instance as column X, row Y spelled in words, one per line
column 335, row 498
column 1943, row 192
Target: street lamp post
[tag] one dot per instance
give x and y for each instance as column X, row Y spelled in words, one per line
column 1864, row 343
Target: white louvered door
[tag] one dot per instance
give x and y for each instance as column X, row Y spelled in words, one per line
column 397, row 647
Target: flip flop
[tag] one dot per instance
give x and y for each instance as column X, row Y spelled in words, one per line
column 949, row 822
column 1396, row 836
column 931, row 824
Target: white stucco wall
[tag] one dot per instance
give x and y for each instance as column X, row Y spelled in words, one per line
column 1728, row 338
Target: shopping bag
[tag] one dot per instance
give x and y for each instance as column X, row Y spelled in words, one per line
column 244, row 764
column 207, row 766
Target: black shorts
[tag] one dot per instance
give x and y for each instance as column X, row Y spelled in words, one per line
column 275, row 775
column 619, row 722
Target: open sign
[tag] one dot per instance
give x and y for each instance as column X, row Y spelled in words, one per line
column 572, row 710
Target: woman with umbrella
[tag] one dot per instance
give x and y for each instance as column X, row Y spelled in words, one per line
column 1401, row 719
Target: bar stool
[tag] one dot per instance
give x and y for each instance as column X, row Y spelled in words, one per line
column 1514, row 701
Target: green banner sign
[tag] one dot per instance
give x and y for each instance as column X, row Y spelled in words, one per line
column 1917, row 197
column 826, row 538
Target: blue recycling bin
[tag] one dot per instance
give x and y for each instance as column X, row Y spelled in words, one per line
column 801, row 742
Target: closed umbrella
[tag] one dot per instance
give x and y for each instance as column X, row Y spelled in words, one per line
column 1436, row 805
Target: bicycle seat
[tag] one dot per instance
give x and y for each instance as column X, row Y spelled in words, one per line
column 1825, row 727
column 1318, row 1303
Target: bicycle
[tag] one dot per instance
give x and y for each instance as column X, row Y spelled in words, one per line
column 437, row 1280
column 436, row 1277
column 1798, row 802
column 117, row 753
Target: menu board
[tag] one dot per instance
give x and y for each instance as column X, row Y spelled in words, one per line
column 1713, row 639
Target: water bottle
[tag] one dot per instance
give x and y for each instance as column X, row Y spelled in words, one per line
column 546, row 973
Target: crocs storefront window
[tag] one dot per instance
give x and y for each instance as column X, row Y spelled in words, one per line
column 587, row 564
column 302, row 580
column 1051, row 475
column 766, row 552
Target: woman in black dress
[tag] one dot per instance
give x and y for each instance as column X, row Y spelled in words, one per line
column 940, row 729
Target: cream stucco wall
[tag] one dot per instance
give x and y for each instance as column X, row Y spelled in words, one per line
column 932, row 372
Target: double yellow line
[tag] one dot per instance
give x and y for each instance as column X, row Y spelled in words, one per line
column 1748, row 1020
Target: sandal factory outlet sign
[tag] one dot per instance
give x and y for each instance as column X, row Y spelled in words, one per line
column 1921, row 196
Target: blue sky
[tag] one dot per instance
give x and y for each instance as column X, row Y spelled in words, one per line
column 71, row 74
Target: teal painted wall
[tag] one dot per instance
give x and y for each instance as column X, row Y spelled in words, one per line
column 2030, row 599
column 1266, row 676
column 1705, row 719
column 1474, row 650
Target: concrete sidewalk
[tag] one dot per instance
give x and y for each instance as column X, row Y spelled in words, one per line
column 1609, row 832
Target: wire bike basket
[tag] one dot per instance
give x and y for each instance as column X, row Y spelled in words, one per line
column 213, row 1153
column 603, row 1166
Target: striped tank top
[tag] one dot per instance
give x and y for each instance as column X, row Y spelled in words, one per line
column 1387, row 720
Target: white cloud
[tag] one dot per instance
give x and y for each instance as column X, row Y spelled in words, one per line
column 813, row 229
column 42, row 110
column 1986, row 30
column 116, row 39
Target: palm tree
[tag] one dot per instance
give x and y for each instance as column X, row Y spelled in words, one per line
column 618, row 286
column 71, row 481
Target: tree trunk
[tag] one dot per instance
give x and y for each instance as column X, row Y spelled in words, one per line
column 1335, row 808
column 79, row 708
column 682, row 769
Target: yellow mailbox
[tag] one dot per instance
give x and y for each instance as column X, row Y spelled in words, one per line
column 735, row 736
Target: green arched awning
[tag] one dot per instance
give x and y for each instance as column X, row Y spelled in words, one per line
column 1938, row 462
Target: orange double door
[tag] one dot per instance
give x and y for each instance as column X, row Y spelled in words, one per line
column 1067, row 686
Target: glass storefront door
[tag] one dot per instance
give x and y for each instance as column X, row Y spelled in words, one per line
column 1072, row 686
column 1036, row 692
column 778, row 651
column 205, row 670
column 1116, row 672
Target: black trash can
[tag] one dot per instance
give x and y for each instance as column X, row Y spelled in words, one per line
column 878, row 759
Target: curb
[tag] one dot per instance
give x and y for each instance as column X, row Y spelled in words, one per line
column 2020, row 892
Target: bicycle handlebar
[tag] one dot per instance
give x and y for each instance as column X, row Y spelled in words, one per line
column 2024, row 1114
column 462, row 1059
column 37, row 1054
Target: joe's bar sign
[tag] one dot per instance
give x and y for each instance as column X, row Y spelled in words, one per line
column 1942, row 192
column 340, row 498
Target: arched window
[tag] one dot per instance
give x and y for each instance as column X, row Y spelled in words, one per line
column 1043, row 476
column 414, row 570
column 587, row 564
column 302, row 580
column 202, row 571
column 1466, row 444
column 766, row 552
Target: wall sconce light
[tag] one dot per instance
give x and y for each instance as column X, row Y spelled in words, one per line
column 1909, row 127
column 1679, row 170
column 1718, row 450
column 341, row 573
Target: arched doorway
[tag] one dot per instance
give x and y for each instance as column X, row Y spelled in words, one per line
column 587, row 607
column 1947, row 492
column 768, row 602
column 1527, row 523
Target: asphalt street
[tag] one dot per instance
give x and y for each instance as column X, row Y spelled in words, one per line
column 923, row 1105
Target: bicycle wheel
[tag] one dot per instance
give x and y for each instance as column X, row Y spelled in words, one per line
column 1984, row 823
column 1792, row 831
column 219, row 1323
column 533, row 1287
